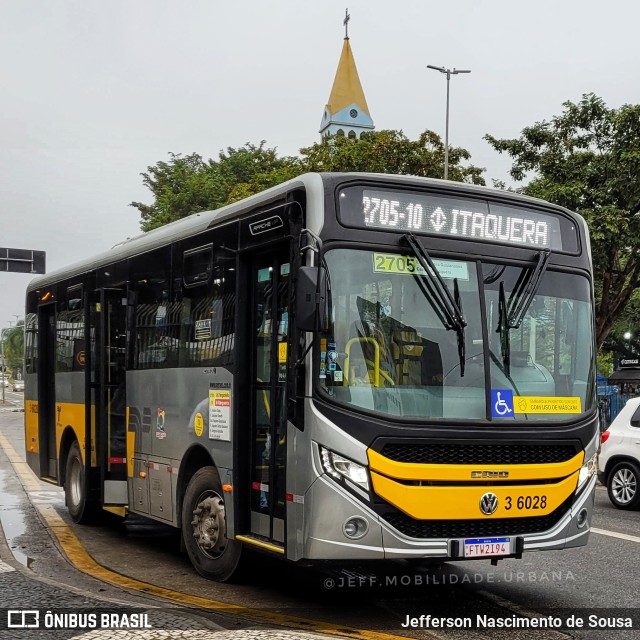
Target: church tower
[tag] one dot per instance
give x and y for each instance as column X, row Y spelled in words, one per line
column 346, row 112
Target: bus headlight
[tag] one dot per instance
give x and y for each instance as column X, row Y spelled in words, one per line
column 341, row 468
column 587, row 470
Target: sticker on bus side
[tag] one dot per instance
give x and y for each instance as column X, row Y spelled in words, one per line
column 219, row 411
column 198, row 424
column 203, row 330
column 409, row 265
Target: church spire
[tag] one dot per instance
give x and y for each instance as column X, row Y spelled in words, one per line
column 346, row 112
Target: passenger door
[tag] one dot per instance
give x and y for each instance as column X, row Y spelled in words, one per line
column 270, row 298
column 47, row 391
column 111, row 404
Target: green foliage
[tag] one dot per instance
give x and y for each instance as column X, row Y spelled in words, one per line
column 605, row 363
column 180, row 187
column 588, row 160
column 390, row 151
column 14, row 347
column 187, row 184
column 626, row 323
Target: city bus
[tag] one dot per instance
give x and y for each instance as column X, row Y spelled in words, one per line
column 345, row 367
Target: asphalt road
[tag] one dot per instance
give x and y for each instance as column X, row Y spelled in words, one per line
column 601, row 577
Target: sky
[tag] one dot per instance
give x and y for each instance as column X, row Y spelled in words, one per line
column 94, row 92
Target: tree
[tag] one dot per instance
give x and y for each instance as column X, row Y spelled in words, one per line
column 180, row 187
column 588, row 159
column 187, row 184
column 390, row 151
column 14, row 347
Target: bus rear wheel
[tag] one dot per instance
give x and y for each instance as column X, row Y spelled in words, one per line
column 81, row 509
column 204, row 527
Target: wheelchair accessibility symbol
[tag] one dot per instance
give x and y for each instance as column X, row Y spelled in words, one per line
column 502, row 403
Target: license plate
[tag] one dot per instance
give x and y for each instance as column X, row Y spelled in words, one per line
column 485, row 547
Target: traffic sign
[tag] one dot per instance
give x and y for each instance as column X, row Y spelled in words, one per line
column 22, row 260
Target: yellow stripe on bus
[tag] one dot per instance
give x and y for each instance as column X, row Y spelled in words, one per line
column 31, row 426
column 473, row 472
column 259, row 543
column 463, row 503
column 70, row 414
column 131, row 446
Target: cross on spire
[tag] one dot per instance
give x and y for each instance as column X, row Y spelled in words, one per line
column 345, row 22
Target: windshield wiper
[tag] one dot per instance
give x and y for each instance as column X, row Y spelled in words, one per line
column 503, row 330
column 523, row 293
column 448, row 307
column 511, row 313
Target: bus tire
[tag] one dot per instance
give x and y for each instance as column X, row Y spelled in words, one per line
column 80, row 508
column 204, row 527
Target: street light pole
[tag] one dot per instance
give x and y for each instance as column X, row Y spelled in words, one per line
column 448, row 73
column 4, row 367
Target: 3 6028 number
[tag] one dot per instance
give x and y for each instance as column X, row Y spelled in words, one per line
column 526, row 503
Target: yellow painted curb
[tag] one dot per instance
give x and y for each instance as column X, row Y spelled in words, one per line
column 79, row 557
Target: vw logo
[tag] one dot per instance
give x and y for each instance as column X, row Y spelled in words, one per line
column 488, row 503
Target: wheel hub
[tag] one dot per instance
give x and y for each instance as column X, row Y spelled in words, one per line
column 75, row 481
column 209, row 525
column 624, row 486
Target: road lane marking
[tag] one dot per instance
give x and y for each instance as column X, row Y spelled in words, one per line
column 80, row 558
column 615, row 534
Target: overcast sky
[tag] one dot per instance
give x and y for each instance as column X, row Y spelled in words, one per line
column 93, row 92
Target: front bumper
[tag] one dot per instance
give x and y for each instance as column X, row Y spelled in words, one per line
column 329, row 505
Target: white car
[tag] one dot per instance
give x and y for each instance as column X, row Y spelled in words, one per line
column 619, row 460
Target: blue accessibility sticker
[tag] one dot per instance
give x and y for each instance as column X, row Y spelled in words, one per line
column 502, row 403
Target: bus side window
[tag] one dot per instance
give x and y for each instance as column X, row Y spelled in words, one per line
column 197, row 266
column 70, row 331
column 205, row 293
column 31, row 343
column 157, row 317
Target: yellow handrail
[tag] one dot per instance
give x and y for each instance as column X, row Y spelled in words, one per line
column 376, row 362
column 383, row 373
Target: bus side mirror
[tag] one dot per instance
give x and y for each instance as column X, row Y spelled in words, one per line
column 311, row 293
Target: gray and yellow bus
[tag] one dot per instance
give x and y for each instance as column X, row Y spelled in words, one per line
column 344, row 367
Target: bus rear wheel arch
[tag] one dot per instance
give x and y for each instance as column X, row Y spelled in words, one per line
column 204, row 527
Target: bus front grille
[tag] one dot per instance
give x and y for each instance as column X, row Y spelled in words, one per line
column 461, row 453
column 428, row 529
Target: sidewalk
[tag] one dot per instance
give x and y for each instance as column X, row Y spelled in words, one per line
column 42, row 606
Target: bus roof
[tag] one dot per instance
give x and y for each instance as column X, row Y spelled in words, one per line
column 201, row 221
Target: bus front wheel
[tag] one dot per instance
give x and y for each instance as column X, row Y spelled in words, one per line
column 204, row 527
column 81, row 509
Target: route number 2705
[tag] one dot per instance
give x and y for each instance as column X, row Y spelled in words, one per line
column 393, row 263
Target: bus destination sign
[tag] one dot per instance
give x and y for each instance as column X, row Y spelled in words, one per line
column 455, row 217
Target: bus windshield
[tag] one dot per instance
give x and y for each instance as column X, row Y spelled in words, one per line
column 390, row 350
